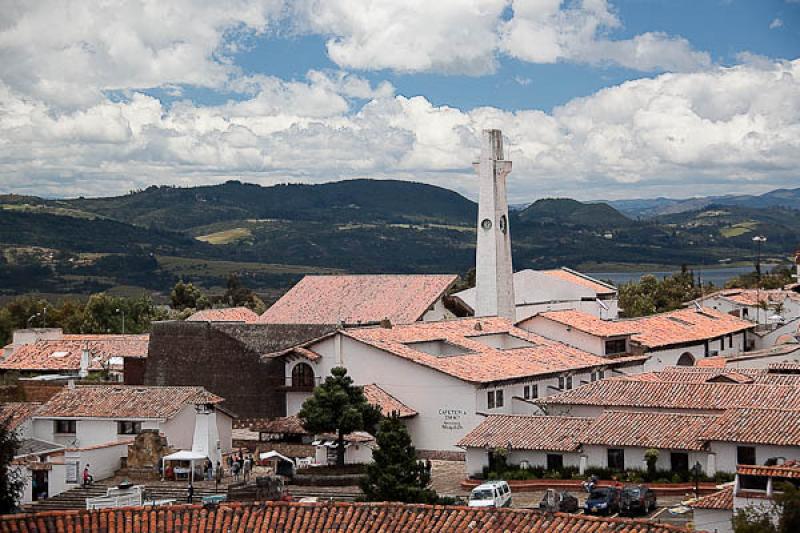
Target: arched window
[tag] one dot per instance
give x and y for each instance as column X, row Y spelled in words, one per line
column 302, row 375
column 686, row 359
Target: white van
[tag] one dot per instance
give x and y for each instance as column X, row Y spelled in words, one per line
column 491, row 494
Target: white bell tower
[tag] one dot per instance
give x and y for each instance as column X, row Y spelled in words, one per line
column 494, row 283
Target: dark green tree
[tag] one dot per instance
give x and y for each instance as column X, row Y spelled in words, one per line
column 236, row 294
column 337, row 406
column 11, row 482
column 187, row 296
column 395, row 475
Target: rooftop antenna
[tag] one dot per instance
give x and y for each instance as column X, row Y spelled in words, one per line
column 697, row 306
column 603, row 307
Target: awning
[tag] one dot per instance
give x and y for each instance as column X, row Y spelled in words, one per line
column 184, row 455
column 274, row 455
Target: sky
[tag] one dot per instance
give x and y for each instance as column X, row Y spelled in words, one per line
column 597, row 99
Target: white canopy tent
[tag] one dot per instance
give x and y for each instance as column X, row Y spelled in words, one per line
column 184, row 455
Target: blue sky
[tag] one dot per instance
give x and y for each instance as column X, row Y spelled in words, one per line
column 99, row 99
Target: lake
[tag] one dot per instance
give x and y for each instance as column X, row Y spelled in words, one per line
column 717, row 276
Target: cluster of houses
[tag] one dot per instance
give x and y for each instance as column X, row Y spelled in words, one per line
column 536, row 365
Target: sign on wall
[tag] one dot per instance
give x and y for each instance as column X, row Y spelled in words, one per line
column 72, row 468
column 451, row 418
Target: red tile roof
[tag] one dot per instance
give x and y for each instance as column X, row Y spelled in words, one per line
column 784, row 367
column 64, row 354
column 735, row 360
column 751, row 297
column 790, row 469
column 477, row 360
column 678, row 395
column 756, row 426
column 656, row 331
column 583, row 280
column 648, row 430
column 230, row 314
column 17, row 412
column 722, row 500
column 362, row 299
column 318, row 517
column 284, row 424
column 387, row 403
column 123, row 401
column 693, row 374
column 549, row 433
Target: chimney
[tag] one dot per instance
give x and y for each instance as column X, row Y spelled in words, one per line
column 386, row 323
column 84, row 370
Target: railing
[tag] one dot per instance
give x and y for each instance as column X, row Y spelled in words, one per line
column 288, row 384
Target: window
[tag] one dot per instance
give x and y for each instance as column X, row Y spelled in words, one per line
column 534, row 391
column 565, row 382
column 601, row 374
column 679, row 461
column 616, row 459
column 721, row 344
column 615, row 346
column 561, row 382
column 128, row 427
column 686, row 359
column 302, row 376
column 730, row 340
column 745, row 455
column 569, row 382
column 526, row 392
column 65, row 426
column 490, row 399
column 555, row 461
column 745, row 313
column 498, row 398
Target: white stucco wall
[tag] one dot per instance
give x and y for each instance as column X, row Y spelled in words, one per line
column 597, row 456
column 103, row 461
column 726, row 453
column 179, row 429
column 439, row 312
column 713, row 520
column 551, row 329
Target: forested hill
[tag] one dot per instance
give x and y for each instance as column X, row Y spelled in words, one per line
column 271, row 236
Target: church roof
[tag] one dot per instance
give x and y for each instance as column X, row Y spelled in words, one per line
column 230, row 314
column 358, row 299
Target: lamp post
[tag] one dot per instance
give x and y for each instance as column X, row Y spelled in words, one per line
column 697, row 469
column 44, row 317
column 759, row 240
column 122, row 312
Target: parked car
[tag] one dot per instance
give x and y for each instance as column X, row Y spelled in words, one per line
column 562, row 502
column 491, row 494
column 602, row 500
column 637, row 499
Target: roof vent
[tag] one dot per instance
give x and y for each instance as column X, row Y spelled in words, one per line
column 386, row 323
column 478, row 326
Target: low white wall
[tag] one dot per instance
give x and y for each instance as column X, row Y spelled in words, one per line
column 294, row 401
column 103, row 461
column 597, row 456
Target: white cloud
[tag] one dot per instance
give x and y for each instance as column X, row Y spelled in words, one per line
column 725, row 128
column 545, row 31
column 70, row 51
column 776, row 23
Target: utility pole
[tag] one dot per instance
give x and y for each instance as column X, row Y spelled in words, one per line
column 122, row 312
column 759, row 240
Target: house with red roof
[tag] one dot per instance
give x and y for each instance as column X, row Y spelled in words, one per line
column 446, row 376
column 538, row 291
column 682, row 337
column 226, row 314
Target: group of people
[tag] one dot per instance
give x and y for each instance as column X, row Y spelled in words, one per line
column 240, row 466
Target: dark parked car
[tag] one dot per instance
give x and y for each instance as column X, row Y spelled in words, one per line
column 637, row 499
column 602, row 500
column 562, row 502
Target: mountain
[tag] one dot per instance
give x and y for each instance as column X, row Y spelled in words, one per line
column 271, row 236
column 648, row 208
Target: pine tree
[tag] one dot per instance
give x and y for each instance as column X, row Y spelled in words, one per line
column 338, row 406
column 11, row 482
column 395, row 474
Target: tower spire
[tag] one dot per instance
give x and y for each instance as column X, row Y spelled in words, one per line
column 494, row 283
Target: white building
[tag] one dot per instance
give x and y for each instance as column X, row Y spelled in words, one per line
column 354, row 300
column 537, row 291
column 619, row 439
column 681, row 337
column 95, row 424
column 450, row 373
column 775, row 357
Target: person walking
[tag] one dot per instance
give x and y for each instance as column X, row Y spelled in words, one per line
column 87, row 477
column 218, row 475
column 235, row 471
column 248, row 465
column 190, row 493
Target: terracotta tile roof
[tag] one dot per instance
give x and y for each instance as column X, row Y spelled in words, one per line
column 549, row 433
column 693, row 374
column 590, row 323
column 284, row 424
column 583, row 280
column 756, row 426
column 123, row 401
column 678, row 395
column 64, row 354
column 358, row 299
column 657, row 331
column 784, row 367
column 648, row 430
column 230, row 314
column 17, row 412
column 735, row 360
column 790, row 469
column 387, row 403
column 722, row 500
column 472, row 356
column 751, row 297
column 318, row 517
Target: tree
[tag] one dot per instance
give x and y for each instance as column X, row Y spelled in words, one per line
column 783, row 517
column 187, row 296
column 651, row 458
column 338, row 406
column 395, row 475
column 236, row 294
column 650, row 295
column 11, row 481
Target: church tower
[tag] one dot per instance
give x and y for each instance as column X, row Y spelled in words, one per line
column 494, row 284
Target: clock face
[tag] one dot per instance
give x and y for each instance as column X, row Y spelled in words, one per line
column 503, row 224
column 486, row 224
